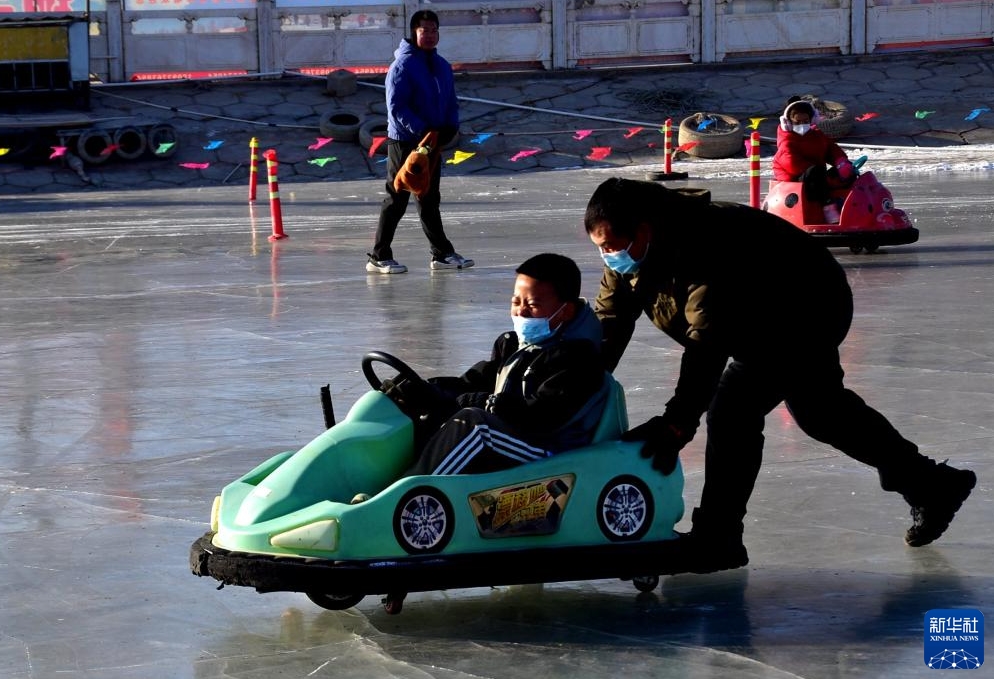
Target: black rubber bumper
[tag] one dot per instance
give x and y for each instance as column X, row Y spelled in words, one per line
column 268, row 573
column 870, row 239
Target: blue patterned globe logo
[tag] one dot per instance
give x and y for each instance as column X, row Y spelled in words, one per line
column 954, row 639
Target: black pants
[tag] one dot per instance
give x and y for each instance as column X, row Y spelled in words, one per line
column 811, row 386
column 473, row 442
column 395, row 205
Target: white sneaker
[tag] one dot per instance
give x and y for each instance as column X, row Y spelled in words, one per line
column 451, row 261
column 384, row 266
column 831, row 214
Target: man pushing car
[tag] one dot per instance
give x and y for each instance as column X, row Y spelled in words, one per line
column 760, row 309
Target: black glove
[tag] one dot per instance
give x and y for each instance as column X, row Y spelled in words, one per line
column 663, row 441
column 446, row 133
column 472, row 399
column 505, row 406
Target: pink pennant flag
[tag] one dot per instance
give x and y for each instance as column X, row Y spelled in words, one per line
column 321, row 141
column 580, row 135
column 524, row 154
column 632, row 131
column 867, row 116
column 377, row 142
column 686, row 147
column 58, row 151
column 195, row 166
column 599, row 152
column 109, row 149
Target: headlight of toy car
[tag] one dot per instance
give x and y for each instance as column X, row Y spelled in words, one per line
column 322, row 535
column 215, row 512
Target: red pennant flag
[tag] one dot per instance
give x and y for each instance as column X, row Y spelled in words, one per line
column 377, row 142
column 599, row 152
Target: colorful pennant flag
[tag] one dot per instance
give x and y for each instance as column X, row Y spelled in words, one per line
column 599, row 152
column 459, row 156
column 975, row 113
column 580, row 135
column 866, row 116
column 705, row 124
column 321, row 162
column 4, row 152
column 213, row 145
column 632, row 131
column 524, row 154
column 481, row 137
column 686, row 147
column 109, row 149
column 58, row 151
column 377, row 142
column 922, row 115
column 195, row 166
column 754, row 123
column 321, row 141
column 164, row 147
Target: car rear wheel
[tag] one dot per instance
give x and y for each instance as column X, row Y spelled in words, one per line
column 423, row 522
column 625, row 509
column 335, row 602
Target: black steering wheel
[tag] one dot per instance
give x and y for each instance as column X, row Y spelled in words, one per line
column 402, row 369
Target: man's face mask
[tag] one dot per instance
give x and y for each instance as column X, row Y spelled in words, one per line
column 621, row 260
column 801, row 128
column 534, row 330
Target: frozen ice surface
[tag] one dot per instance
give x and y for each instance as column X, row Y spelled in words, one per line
column 155, row 345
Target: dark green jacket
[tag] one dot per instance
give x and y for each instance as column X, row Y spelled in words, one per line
column 725, row 280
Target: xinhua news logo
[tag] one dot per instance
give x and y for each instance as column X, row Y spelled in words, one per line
column 954, row 639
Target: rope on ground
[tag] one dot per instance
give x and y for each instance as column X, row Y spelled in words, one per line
column 208, row 116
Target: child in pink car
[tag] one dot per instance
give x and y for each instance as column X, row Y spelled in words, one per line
column 804, row 151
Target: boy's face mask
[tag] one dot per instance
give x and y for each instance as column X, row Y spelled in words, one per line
column 801, row 128
column 534, row 330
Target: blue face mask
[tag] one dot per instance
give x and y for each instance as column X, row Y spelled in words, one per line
column 534, row 330
column 621, row 261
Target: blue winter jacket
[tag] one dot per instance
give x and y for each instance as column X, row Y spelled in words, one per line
column 421, row 94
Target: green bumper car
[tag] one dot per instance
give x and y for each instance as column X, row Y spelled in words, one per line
column 290, row 524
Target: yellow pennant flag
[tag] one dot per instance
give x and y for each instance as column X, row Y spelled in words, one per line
column 459, row 156
column 4, row 152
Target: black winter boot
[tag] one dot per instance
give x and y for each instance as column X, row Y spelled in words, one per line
column 934, row 504
column 714, row 545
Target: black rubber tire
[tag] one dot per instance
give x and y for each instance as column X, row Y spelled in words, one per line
column 625, row 509
column 835, row 120
column 130, row 141
column 92, row 144
column 335, row 602
column 646, row 583
column 18, row 142
column 163, row 134
column 340, row 126
column 369, row 130
column 423, row 522
column 712, row 144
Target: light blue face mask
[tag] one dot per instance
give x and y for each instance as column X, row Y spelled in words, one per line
column 621, row 261
column 534, row 330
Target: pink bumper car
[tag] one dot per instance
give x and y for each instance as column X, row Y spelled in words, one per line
column 867, row 219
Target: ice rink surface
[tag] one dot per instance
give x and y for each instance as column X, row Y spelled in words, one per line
column 155, row 345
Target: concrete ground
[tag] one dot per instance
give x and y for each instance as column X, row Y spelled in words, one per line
column 155, row 345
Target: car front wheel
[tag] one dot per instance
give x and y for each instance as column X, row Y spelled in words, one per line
column 423, row 522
